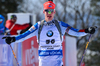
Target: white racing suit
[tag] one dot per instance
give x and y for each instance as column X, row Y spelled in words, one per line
column 50, row 43
column 50, row 54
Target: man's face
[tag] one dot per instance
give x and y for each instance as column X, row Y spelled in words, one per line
column 49, row 14
column 14, row 20
column 1, row 20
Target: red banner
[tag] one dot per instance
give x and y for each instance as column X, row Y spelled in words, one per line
column 30, row 52
column 63, row 47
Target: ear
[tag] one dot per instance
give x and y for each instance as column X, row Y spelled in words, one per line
column 54, row 11
column 43, row 11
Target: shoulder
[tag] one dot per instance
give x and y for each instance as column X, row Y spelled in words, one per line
column 8, row 21
column 36, row 25
column 39, row 22
column 63, row 24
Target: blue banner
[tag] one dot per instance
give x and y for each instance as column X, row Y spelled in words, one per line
column 6, row 55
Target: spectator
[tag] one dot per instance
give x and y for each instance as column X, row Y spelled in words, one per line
column 2, row 27
column 13, row 27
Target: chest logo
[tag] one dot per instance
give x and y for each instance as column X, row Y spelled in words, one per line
column 50, row 33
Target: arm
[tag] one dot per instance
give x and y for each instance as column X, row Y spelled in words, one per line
column 18, row 27
column 75, row 32
column 31, row 30
column 9, row 24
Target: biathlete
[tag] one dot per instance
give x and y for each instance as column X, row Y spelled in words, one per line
column 50, row 34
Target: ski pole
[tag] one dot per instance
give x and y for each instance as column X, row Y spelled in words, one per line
column 14, row 55
column 85, row 50
column 86, row 47
column 13, row 52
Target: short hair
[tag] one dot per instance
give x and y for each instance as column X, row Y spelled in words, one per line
column 13, row 17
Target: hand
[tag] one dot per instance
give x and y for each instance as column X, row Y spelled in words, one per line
column 90, row 30
column 9, row 40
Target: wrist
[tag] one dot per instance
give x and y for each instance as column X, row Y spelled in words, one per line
column 86, row 31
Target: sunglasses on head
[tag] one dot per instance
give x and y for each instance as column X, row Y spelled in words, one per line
column 49, row 10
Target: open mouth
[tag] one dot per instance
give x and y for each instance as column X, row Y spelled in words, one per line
column 49, row 16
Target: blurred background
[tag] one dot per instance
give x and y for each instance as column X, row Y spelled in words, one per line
column 80, row 14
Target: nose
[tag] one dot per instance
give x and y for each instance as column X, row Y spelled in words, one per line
column 49, row 12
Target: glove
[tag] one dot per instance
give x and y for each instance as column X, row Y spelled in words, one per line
column 9, row 40
column 90, row 30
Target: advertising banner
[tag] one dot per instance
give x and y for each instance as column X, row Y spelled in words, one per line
column 6, row 55
column 63, row 47
column 3, row 55
column 30, row 52
column 70, row 51
column 4, row 52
